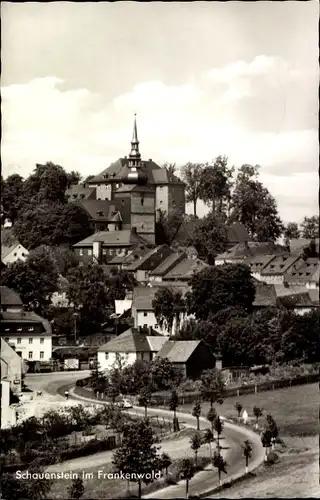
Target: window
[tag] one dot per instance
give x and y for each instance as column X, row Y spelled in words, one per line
column 122, row 203
column 15, row 254
column 145, row 325
column 145, row 314
column 30, row 356
column 117, row 185
column 19, row 340
column 161, row 202
column 161, row 188
column 41, row 354
column 81, row 251
column 142, row 201
column 19, row 329
column 23, row 254
column 7, row 330
column 156, row 326
column 141, row 226
column 104, row 251
column 111, row 251
column 89, row 251
column 30, row 340
column 106, row 355
column 41, row 340
column 30, row 329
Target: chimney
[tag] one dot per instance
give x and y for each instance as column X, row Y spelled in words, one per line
column 150, row 159
column 97, row 250
column 150, row 330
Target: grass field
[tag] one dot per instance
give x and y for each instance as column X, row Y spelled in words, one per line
column 295, row 409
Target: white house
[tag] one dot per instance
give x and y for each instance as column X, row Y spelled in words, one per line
column 12, row 253
column 8, row 414
column 12, row 366
column 133, row 344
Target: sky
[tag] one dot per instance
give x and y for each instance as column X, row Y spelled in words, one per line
column 205, row 78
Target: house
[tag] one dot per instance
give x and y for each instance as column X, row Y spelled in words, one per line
column 142, row 309
column 29, row 333
column 257, row 263
column 102, row 246
column 265, row 295
column 189, row 356
column 9, row 300
column 274, row 271
column 166, row 265
column 142, row 266
column 12, row 366
column 301, row 299
column 168, row 190
column 132, row 345
column 184, row 270
column 8, row 414
column 297, row 245
column 243, row 251
column 12, row 253
column 304, row 273
column 104, row 214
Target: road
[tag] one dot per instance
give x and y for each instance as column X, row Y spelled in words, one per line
column 203, row 481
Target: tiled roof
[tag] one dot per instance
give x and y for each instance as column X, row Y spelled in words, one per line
column 250, row 249
column 155, row 174
column 258, row 262
column 168, row 264
column 265, row 295
column 178, row 351
column 128, row 188
column 157, row 342
column 301, row 295
column 129, row 341
column 143, row 258
column 298, row 244
column 237, row 232
column 114, row 238
column 9, row 297
column 100, row 210
column 279, row 265
column 304, row 271
column 80, row 192
column 25, row 317
column 5, row 250
column 185, row 269
column 144, row 295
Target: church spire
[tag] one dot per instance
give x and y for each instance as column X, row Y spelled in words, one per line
column 135, row 175
column 135, row 153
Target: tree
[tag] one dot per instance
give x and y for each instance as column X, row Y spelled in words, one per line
column 195, row 444
column 164, row 374
column 11, row 192
column 238, row 407
column 76, row 490
column 254, row 206
column 73, row 178
column 173, row 405
column 34, row 489
column 220, row 464
column 35, row 280
column 309, row 227
column 167, row 226
column 212, row 386
column 135, row 377
column 311, row 251
column 48, row 183
column 186, row 472
column 191, row 175
column 209, row 238
column 144, row 399
column 218, row 427
column 211, row 416
column 247, row 452
column 272, row 428
column 257, row 413
column 291, row 231
column 300, row 339
column 215, row 185
column 63, row 258
column 208, row 439
column 216, row 288
column 74, row 224
column 168, row 306
column 171, row 169
column 138, row 455
column 165, row 462
column 196, row 412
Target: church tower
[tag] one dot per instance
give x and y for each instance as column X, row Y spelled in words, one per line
column 138, row 192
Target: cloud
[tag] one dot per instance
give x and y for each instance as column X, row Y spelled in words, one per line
column 254, row 112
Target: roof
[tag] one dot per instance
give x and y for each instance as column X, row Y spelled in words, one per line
column 185, row 269
column 100, row 210
column 250, row 249
column 302, row 296
column 143, row 258
column 156, row 342
column 279, row 264
column 237, row 232
column 80, row 192
column 25, row 317
column 9, row 297
column 119, row 169
column 178, row 351
column 258, row 262
column 144, row 295
column 5, row 250
column 128, row 188
column 125, row 237
column 304, row 271
column 265, row 295
column 132, row 340
column 168, row 264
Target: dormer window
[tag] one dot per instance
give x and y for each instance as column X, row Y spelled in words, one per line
column 75, row 196
column 100, row 213
column 7, row 330
column 19, row 329
column 30, row 329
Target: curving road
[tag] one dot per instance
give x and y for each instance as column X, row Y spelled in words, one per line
column 234, row 436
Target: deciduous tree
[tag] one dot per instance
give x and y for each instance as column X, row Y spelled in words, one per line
column 186, row 472
column 173, row 405
column 209, row 237
column 309, row 227
column 191, row 175
column 168, row 306
column 215, row 185
column 247, row 452
column 11, row 194
column 196, row 412
column 76, row 490
column 212, row 386
column 195, row 444
column 220, row 464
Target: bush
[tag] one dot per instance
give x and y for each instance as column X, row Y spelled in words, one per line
column 189, row 385
column 272, row 458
